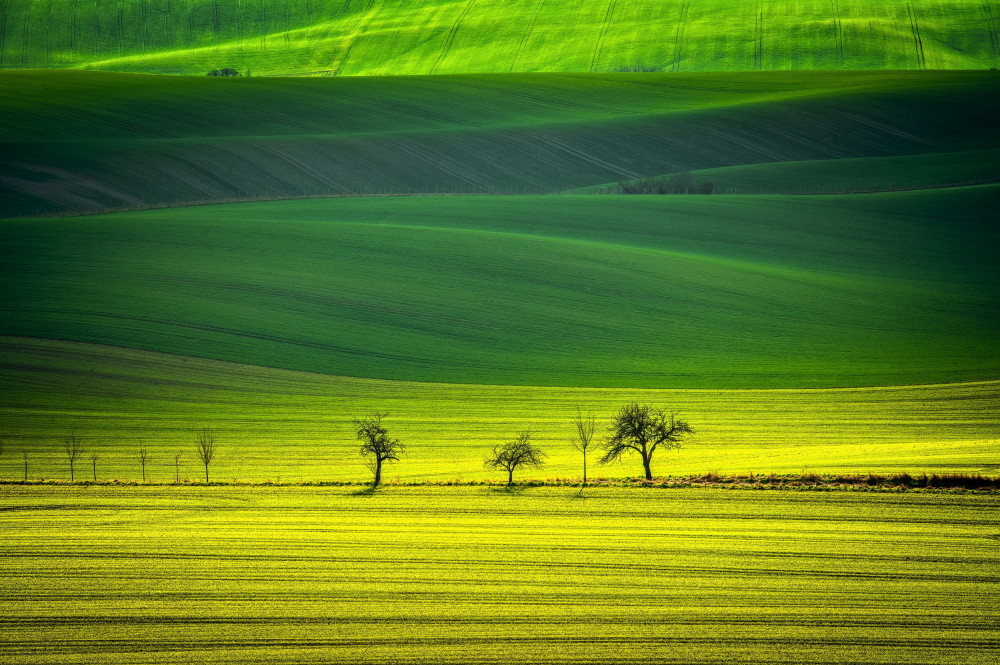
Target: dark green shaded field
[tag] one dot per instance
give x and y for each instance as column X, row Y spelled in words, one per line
column 450, row 574
column 91, row 140
column 884, row 289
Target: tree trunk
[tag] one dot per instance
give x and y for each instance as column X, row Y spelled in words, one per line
column 71, row 472
column 645, row 464
column 206, row 472
column 585, row 468
column 143, row 472
column 378, row 472
column 95, row 471
column 510, row 477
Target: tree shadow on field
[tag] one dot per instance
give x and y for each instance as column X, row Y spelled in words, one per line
column 366, row 491
column 509, row 490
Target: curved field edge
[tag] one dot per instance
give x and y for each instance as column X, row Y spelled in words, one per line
column 473, row 574
column 358, row 37
column 286, row 426
column 684, row 292
column 833, row 176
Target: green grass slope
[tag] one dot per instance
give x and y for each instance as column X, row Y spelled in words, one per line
column 477, row 575
column 734, row 291
column 84, row 140
column 287, row 426
column 396, row 37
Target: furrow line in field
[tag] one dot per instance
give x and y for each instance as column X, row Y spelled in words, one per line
column 756, row 36
column 351, row 33
column 675, row 65
column 838, row 34
column 917, row 45
column 453, row 170
column 608, row 15
column 678, row 36
column 548, row 140
column 991, row 28
column 524, row 37
column 291, row 160
column 450, row 38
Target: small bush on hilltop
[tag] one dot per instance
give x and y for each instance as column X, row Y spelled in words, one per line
column 635, row 69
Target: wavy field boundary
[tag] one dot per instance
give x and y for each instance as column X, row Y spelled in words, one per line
column 91, row 140
column 481, row 575
column 396, row 37
column 838, row 176
column 288, row 427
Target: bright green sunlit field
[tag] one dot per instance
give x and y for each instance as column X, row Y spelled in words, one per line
column 397, row 37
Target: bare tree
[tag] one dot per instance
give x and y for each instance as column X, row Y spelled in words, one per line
column 143, row 458
column 93, row 460
column 25, row 454
column 643, row 429
column 177, row 467
column 377, row 447
column 515, row 454
column 584, row 437
column 73, row 447
column 682, row 183
column 206, row 448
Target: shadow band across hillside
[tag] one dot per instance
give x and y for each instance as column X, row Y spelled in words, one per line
column 103, row 143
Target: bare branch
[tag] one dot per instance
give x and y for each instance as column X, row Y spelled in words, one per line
column 516, row 454
column 377, row 447
column 143, row 458
column 585, row 428
column 643, row 428
column 73, row 447
column 206, row 448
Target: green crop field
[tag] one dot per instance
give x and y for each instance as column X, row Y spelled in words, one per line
column 396, row 37
column 92, row 140
column 666, row 292
column 470, row 575
column 289, row 427
column 418, row 209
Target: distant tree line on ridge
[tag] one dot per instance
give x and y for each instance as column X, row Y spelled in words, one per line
column 678, row 183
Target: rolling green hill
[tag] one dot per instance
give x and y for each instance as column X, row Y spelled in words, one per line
column 696, row 291
column 395, row 37
column 86, row 140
